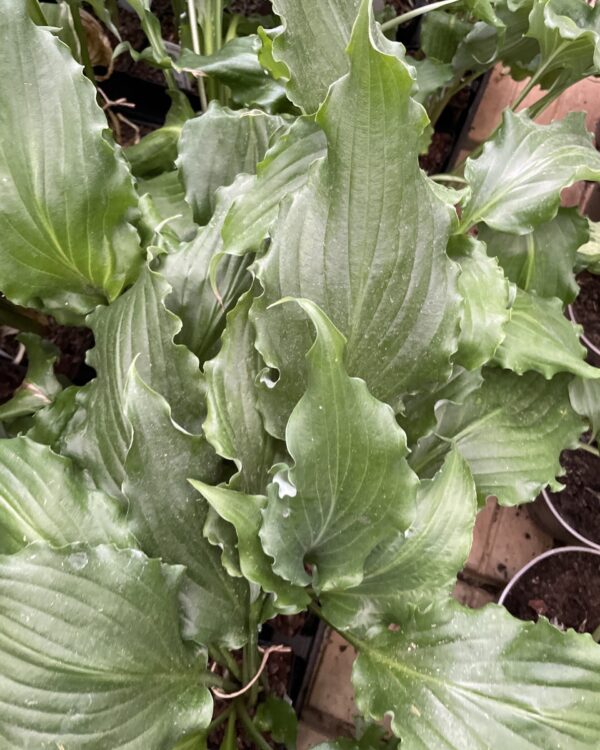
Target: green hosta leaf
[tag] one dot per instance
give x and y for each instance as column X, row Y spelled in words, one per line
column 168, row 199
column 234, row 425
column 44, row 497
column 349, row 484
column 135, row 327
column 59, row 18
column 192, row 297
column 40, row 385
column 542, row 261
column 279, row 719
column 66, row 196
column 568, row 32
column 156, row 152
column 167, row 516
column 218, row 146
column 585, row 399
column 478, row 51
column 486, row 296
column 588, row 255
column 283, row 172
column 511, row 433
column 516, row 182
column 245, row 514
column 517, row 51
column 539, row 337
column 441, row 34
column 416, row 564
column 478, row 679
column 432, row 76
column 91, row 652
column 236, row 65
column 483, row 10
column 50, row 422
column 361, row 244
column 418, row 418
column 312, row 44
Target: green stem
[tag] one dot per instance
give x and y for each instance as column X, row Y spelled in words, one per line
column 231, row 664
column 191, row 4
column 216, row 723
column 596, row 634
column 36, row 13
column 448, row 178
column 80, row 31
column 11, row 316
column 405, row 17
column 589, row 449
column 253, row 732
column 232, row 28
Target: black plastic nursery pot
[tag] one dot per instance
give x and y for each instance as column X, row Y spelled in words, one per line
column 305, row 643
column 562, row 585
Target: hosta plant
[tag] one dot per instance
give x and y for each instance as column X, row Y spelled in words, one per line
column 313, row 364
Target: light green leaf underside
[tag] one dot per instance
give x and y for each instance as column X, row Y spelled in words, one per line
column 169, row 202
column 418, row 564
column 188, row 272
column 167, row 517
column 44, row 497
column 66, row 196
column 40, row 386
column 365, row 239
column 234, row 424
column 283, row 171
column 477, row 679
column 511, row 433
column 91, row 652
column 539, row 337
column 312, row 45
column 245, row 513
column 585, row 399
column 218, row 146
column 541, row 262
column 135, row 327
column 516, row 182
column 349, row 485
column 486, row 295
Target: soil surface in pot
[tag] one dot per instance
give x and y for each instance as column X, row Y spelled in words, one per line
column 72, row 342
column 587, row 311
column 579, row 502
column 564, row 588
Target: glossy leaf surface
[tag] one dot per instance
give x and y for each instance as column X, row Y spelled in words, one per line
column 56, row 689
column 66, row 195
column 459, row 678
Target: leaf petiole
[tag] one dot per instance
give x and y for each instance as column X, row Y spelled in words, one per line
column 405, row 17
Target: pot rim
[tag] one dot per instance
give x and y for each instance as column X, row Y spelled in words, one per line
column 565, row 524
column 592, row 347
column 539, row 558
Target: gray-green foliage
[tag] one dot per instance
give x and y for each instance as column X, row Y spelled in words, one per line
column 308, row 376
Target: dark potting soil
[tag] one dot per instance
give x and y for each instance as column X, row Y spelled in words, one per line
column 12, row 372
column 579, row 502
column 565, row 588
column 72, row 343
column 586, row 309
